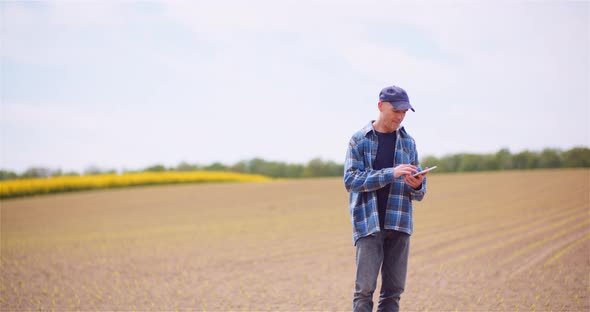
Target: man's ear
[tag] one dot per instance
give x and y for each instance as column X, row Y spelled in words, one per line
column 380, row 106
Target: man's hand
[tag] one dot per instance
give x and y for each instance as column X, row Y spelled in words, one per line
column 404, row 170
column 415, row 182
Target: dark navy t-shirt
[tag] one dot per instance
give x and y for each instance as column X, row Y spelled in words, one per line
column 384, row 159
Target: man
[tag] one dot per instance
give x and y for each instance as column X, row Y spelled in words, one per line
column 380, row 161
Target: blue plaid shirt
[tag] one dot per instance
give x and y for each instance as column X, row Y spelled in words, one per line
column 362, row 182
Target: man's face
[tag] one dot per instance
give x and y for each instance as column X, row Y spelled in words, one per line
column 391, row 116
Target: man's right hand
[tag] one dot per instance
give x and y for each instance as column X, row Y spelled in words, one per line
column 404, row 170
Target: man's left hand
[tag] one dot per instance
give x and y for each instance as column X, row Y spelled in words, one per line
column 415, row 182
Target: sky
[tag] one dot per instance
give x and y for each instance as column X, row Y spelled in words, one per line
column 125, row 85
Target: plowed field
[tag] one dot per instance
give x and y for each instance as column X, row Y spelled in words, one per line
column 506, row 241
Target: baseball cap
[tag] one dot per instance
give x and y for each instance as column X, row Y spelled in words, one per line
column 397, row 97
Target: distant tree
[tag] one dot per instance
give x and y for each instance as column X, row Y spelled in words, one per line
column 503, row 159
column 550, row 158
column 217, row 166
column 490, row 162
column 7, row 175
column 184, row 166
column 576, row 157
column 92, row 170
column 525, row 160
column 430, row 161
column 471, row 162
column 295, row 171
column 268, row 168
column 451, row 163
column 155, row 168
column 36, row 172
column 240, row 167
column 319, row 168
column 256, row 166
column 334, row 169
column 260, row 166
column 56, row 173
column 275, row 169
column 71, row 174
column 313, row 168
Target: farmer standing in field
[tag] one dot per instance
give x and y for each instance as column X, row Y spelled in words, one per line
column 380, row 161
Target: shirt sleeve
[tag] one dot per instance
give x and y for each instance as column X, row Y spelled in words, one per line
column 419, row 193
column 358, row 178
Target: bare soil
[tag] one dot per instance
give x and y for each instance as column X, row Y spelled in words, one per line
column 505, row 241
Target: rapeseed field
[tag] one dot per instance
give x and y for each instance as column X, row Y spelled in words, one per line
column 26, row 187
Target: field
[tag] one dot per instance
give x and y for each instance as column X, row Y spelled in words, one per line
column 505, row 241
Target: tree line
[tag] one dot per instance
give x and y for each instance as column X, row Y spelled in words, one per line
column 505, row 160
column 314, row 168
column 462, row 162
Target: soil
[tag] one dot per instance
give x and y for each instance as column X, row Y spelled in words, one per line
column 505, row 241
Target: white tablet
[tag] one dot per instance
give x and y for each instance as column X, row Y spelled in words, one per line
column 424, row 171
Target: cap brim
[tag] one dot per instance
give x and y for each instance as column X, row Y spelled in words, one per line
column 402, row 106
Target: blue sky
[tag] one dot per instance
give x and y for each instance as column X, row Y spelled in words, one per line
column 124, row 85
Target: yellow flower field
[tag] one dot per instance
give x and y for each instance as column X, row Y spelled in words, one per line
column 25, row 187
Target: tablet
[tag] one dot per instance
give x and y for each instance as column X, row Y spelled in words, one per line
column 424, row 171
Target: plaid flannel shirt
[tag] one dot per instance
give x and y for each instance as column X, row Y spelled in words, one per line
column 362, row 182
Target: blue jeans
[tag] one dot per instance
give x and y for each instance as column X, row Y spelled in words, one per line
column 389, row 252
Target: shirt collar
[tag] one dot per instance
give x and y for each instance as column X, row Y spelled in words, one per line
column 369, row 127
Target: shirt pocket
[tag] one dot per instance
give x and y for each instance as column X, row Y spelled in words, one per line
column 406, row 154
column 368, row 157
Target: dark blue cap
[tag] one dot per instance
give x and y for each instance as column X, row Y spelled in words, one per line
column 397, row 97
